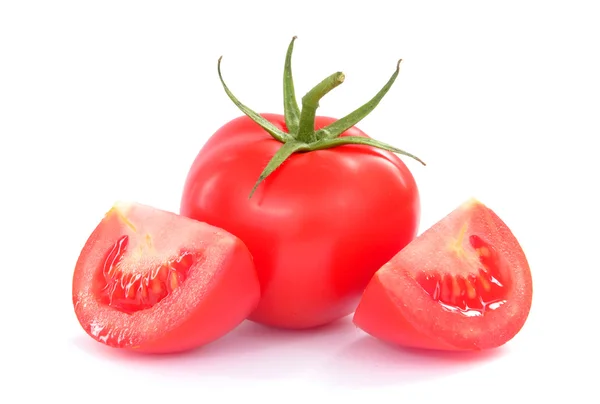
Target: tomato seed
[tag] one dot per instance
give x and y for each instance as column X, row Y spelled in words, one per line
column 483, row 281
column 156, row 286
column 475, row 293
column 173, row 283
column 470, row 288
column 132, row 292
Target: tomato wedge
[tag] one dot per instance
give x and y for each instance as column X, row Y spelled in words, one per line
column 153, row 281
column 464, row 284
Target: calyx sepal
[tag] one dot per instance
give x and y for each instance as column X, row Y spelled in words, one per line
column 300, row 122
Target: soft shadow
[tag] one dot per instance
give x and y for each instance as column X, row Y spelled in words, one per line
column 370, row 362
column 249, row 351
column 337, row 354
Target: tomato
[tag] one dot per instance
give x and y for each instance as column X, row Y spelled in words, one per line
column 320, row 205
column 153, row 281
column 463, row 284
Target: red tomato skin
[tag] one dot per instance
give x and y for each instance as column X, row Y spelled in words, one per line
column 394, row 308
column 318, row 227
column 378, row 315
column 211, row 303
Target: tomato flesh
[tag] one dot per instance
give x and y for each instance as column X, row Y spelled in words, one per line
column 154, row 281
column 472, row 294
column 464, row 284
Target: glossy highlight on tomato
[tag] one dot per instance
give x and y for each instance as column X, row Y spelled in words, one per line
column 153, row 281
column 320, row 205
column 316, row 243
column 464, row 284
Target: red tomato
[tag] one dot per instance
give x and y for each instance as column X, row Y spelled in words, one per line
column 464, row 284
column 320, row 205
column 318, row 227
column 153, row 281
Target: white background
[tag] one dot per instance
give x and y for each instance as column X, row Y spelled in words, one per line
column 106, row 101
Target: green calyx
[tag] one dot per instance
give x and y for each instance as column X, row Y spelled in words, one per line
column 301, row 135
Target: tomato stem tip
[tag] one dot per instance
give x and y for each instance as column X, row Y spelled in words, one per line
column 310, row 103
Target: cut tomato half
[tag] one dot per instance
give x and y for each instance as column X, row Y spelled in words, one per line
column 153, row 281
column 464, row 284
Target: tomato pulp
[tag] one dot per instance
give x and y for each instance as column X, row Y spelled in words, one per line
column 464, row 284
column 153, row 281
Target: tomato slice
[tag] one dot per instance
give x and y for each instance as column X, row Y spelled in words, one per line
column 464, row 284
column 153, row 281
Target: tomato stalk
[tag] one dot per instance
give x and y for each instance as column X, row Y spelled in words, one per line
column 301, row 135
column 310, row 103
column 290, row 105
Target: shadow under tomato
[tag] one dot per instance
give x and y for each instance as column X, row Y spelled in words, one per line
column 336, row 354
column 249, row 351
column 368, row 362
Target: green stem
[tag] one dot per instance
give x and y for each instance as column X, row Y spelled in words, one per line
column 290, row 105
column 344, row 140
column 310, row 103
column 338, row 127
column 301, row 136
column 285, row 151
column 266, row 125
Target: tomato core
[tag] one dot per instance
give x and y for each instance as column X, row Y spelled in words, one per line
column 133, row 290
column 471, row 294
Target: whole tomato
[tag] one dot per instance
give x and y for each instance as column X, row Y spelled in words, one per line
column 319, row 204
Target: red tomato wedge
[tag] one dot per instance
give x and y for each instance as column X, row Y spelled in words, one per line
column 153, row 281
column 464, row 284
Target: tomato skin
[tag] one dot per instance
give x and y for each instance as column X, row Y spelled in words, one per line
column 218, row 295
column 378, row 315
column 318, row 227
column 396, row 309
